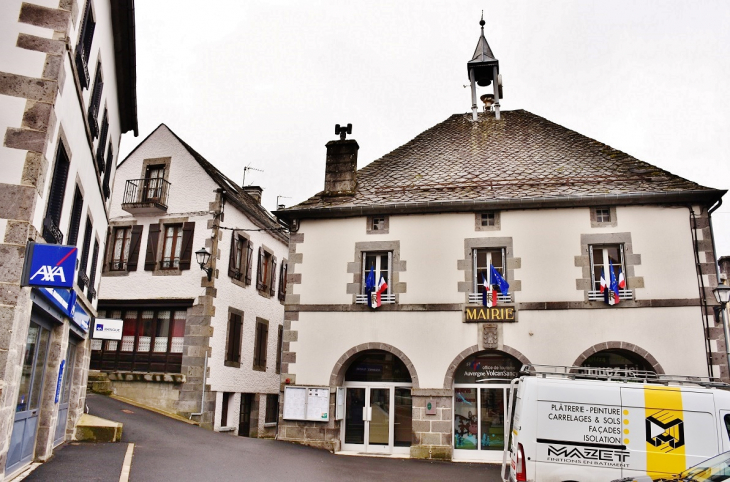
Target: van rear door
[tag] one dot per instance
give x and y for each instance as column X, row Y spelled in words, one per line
column 667, row 429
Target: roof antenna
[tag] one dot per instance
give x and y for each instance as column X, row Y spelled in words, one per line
column 249, row 168
column 281, row 206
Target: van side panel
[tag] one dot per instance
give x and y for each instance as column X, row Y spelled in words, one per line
column 667, row 429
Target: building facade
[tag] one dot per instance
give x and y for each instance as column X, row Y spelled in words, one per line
column 67, row 93
column 202, row 347
column 552, row 212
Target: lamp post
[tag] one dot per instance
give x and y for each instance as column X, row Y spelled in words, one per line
column 203, row 256
column 722, row 296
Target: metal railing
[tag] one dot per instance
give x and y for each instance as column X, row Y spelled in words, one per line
column 385, row 299
column 476, row 298
column 596, row 295
column 151, row 190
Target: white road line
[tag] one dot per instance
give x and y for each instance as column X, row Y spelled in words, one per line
column 127, row 465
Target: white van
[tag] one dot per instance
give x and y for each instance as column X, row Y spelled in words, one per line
column 600, row 424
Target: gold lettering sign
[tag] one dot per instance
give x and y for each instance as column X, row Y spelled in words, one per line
column 476, row 314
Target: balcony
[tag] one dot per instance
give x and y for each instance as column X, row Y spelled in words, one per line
column 146, row 196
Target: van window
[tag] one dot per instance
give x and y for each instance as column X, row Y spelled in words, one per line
column 727, row 424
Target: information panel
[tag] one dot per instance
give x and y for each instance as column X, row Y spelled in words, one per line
column 305, row 403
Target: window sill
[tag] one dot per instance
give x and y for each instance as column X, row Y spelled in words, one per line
column 167, row 272
column 259, row 369
column 232, row 364
column 115, row 273
column 269, row 424
column 227, row 429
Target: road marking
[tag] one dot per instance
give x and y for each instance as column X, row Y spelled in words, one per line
column 127, row 465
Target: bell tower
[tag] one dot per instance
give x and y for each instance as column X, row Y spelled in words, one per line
column 483, row 69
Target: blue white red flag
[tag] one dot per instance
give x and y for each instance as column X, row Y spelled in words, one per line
column 377, row 294
column 370, row 286
column 604, row 287
column 489, row 295
column 499, row 281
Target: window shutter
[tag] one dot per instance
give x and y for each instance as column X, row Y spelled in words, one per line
column 232, row 257
column 249, row 262
column 102, row 142
column 282, row 280
column 73, row 228
column 51, row 227
column 593, row 269
column 239, row 333
column 260, row 272
column 186, row 252
column 390, row 274
column 279, row 340
column 134, row 242
column 92, row 274
column 85, row 254
column 257, row 346
column 153, row 238
column 264, row 343
column 272, row 284
column 106, row 260
column 107, row 173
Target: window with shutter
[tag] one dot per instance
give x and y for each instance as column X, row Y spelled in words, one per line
column 107, row 173
column 121, row 241
column 282, row 280
column 83, row 48
column 153, row 239
column 92, row 273
column 171, row 247
column 237, row 258
column 249, row 264
column 100, row 164
column 233, row 345
column 95, row 102
column 75, row 224
column 260, row 344
column 83, row 278
column 272, row 281
column 260, row 270
column 186, row 251
column 134, row 245
column 51, row 231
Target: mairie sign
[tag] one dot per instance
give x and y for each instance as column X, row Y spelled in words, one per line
column 49, row 265
column 479, row 314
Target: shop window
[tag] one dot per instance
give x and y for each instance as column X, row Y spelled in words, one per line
column 378, row 224
column 75, row 224
column 603, row 258
column 282, row 280
column 266, row 273
column 83, row 48
column 483, row 259
column 152, row 341
column 272, row 408
column 261, row 342
column 239, row 263
column 380, row 264
column 233, row 341
column 51, row 230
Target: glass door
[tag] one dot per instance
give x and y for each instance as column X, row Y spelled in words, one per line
column 378, row 419
column 479, row 412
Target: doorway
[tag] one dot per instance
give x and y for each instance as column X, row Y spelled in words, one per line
column 378, row 405
column 27, row 408
column 244, row 416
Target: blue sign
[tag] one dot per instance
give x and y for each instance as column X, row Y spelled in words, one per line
column 50, row 265
column 65, row 300
column 60, row 379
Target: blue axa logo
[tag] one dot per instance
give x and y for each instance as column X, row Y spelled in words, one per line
column 99, row 327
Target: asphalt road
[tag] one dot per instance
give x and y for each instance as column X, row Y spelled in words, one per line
column 170, row 450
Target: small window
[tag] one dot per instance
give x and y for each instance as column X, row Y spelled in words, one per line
column 233, row 344
column 272, row 408
column 260, row 345
column 488, row 219
column 225, row 401
column 603, row 258
column 377, row 224
column 603, row 215
column 483, row 260
column 120, row 253
column 171, row 248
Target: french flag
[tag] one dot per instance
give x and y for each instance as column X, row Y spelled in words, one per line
column 489, row 296
column 382, row 287
column 604, row 288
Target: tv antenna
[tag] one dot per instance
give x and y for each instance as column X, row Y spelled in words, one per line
column 281, row 206
column 249, row 168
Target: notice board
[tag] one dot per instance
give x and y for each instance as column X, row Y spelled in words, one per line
column 306, row 403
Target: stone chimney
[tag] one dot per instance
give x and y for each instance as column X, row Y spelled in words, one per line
column 254, row 192
column 340, row 177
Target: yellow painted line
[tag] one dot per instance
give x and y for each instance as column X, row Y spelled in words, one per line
column 127, row 465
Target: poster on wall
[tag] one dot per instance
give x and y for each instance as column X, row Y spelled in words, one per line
column 305, row 403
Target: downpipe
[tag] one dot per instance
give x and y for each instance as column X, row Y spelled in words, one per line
column 723, row 315
column 202, row 396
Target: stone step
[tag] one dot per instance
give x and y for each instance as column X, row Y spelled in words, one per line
column 102, row 387
column 97, row 429
column 98, row 376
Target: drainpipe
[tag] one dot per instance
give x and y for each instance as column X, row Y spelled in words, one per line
column 202, row 396
column 723, row 316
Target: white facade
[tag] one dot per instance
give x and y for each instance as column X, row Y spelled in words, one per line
column 46, row 108
column 195, row 197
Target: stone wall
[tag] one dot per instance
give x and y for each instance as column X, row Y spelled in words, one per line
column 432, row 434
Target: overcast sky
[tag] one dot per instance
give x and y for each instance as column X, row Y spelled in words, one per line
column 264, row 83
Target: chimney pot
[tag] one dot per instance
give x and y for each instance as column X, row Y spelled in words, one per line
column 340, row 176
column 254, row 192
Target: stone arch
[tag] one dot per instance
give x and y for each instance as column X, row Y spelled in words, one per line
column 620, row 345
column 508, row 350
column 338, row 372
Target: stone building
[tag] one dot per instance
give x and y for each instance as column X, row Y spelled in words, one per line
column 67, row 93
column 203, row 347
column 548, row 209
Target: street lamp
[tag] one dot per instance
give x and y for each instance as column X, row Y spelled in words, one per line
column 722, row 295
column 203, row 256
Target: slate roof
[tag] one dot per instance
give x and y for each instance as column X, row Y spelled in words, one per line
column 521, row 160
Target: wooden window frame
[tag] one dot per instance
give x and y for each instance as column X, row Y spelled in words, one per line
column 234, row 338
column 594, row 292
column 477, row 283
column 121, row 263
column 175, row 248
column 75, row 223
column 54, row 208
column 272, row 408
column 261, row 342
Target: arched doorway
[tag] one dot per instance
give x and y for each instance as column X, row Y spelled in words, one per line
column 378, row 405
column 481, row 390
column 617, row 358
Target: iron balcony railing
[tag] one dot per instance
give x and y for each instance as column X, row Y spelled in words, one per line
column 145, row 192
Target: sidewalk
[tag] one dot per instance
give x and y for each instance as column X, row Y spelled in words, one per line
column 82, row 461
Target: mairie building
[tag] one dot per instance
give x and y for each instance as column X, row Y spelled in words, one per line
column 553, row 212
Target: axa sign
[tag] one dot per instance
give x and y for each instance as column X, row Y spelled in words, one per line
column 50, row 265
